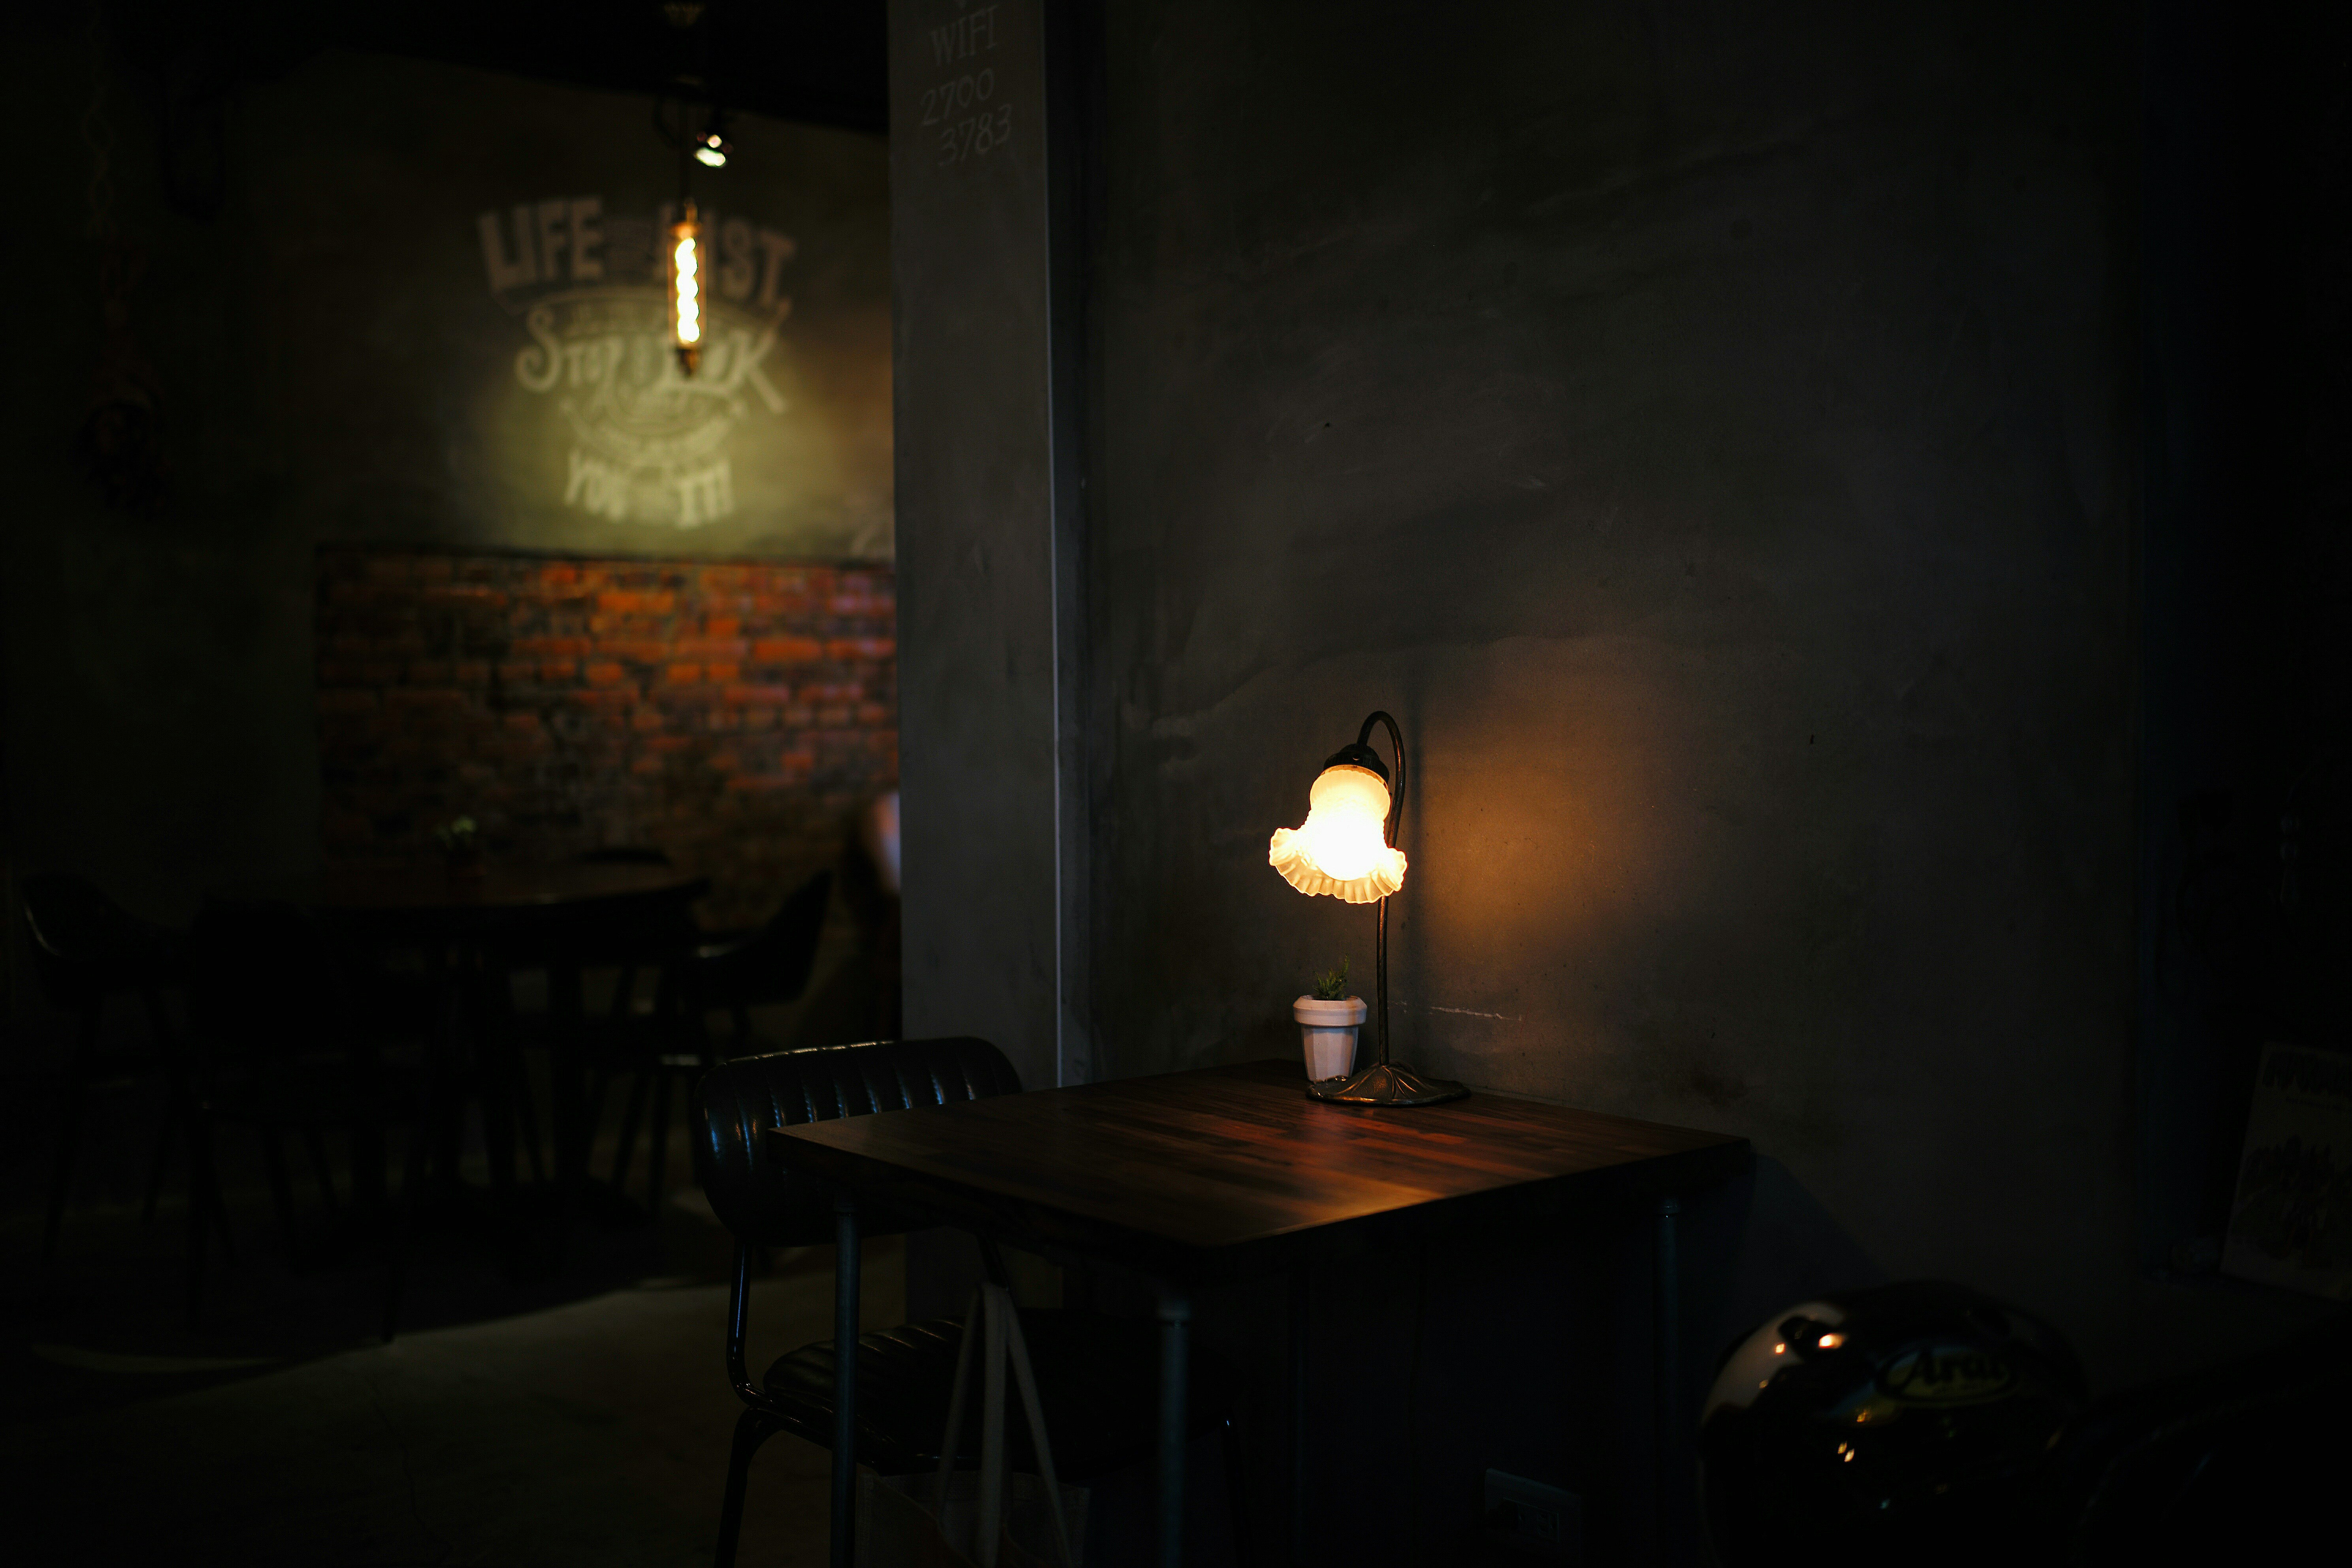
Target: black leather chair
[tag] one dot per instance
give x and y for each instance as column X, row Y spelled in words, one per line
column 89, row 951
column 1098, row 1377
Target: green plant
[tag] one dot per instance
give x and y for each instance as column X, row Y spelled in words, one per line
column 457, row 836
column 1331, row 985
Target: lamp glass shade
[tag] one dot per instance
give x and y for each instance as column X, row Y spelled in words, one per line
column 1342, row 848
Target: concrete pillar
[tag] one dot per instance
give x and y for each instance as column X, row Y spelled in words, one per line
column 988, row 529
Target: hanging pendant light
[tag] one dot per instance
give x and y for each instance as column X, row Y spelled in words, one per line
column 685, row 287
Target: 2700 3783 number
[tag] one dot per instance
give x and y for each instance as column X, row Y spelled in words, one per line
column 941, row 102
column 975, row 136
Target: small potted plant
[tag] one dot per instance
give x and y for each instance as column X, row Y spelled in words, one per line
column 461, row 846
column 1328, row 1022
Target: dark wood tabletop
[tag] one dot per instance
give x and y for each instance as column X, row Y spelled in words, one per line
column 1232, row 1171
column 429, row 888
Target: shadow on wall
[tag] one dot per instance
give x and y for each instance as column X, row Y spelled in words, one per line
column 1784, row 1247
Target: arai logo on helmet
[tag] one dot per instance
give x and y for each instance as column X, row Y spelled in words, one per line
column 1946, row 1375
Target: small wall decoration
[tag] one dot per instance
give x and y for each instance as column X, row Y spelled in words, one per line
column 648, row 442
column 2292, row 1221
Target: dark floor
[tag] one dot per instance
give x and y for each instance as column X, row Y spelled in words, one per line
column 577, row 1416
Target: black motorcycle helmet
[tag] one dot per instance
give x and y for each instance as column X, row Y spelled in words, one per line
column 1905, row 1424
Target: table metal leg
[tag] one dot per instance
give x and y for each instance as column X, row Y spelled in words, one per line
column 846, row 1262
column 1298, row 1320
column 1671, row 1412
column 1175, row 1335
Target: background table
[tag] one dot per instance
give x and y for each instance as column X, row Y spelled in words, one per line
column 1197, row 1178
column 523, row 915
column 429, row 900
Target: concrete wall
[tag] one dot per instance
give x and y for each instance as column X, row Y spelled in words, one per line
column 1714, row 437
column 338, row 361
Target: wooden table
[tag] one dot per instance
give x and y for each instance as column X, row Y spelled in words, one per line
column 1197, row 1178
column 500, row 899
column 533, row 914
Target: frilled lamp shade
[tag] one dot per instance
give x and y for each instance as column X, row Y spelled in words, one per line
column 1347, row 848
column 1341, row 849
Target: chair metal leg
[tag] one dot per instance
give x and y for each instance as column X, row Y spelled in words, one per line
column 200, row 1214
column 527, row 1113
column 566, row 1098
column 528, row 1110
column 497, row 1078
column 220, row 1219
column 175, row 1098
column 403, row 1220
column 594, row 1118
column 320, row 1168
column 77, row 1074
column 751, row 1430
column 281, row 1188
column 658, row 1141
column 848, row 1262
column 630, row 1115
column 172, row 1112
column 1237, row 1515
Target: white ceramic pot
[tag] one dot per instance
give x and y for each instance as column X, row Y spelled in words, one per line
column 1327, row 1032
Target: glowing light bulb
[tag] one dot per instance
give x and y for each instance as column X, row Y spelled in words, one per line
column 689, row 294
column 1342, row 848
column 711, row 151
column 685, row 289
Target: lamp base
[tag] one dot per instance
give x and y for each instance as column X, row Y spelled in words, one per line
column 1385, row 1084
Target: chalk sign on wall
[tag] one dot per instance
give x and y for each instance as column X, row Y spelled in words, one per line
column 647, row 444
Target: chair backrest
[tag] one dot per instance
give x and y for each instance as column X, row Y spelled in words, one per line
column 774, row 963
column 264, row 980
column 85, row 944
column 766, row 1204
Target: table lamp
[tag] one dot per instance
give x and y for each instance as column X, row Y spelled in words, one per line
column 1347, row 848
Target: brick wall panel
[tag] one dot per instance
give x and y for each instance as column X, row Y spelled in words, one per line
column 733, row 713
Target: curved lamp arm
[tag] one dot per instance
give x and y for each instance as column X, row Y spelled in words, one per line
column 1396, row 789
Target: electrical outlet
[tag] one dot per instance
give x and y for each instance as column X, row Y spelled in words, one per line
column 1533, row 1518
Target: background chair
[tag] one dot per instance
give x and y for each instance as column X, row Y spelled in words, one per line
column 756, row 968
column 634, row 953
column 2220, row 1466
column 287, row 1043
column 869, row 890
column 87, row 951
column 1098, row 1377
column 638, row 955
